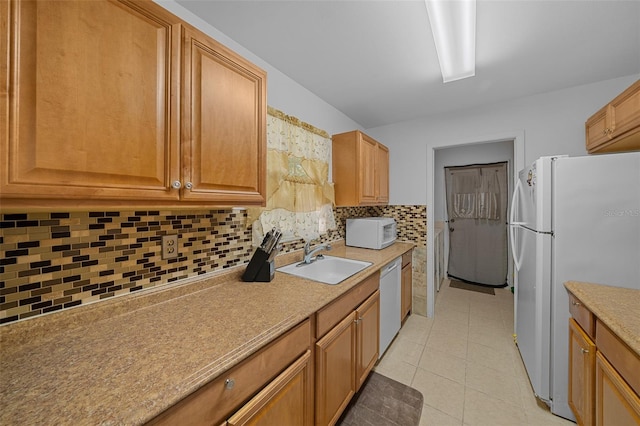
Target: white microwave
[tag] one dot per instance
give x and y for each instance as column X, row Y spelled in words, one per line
column 371, row 232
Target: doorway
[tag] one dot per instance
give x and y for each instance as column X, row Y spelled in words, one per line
column 476, row 210
column 507, row 146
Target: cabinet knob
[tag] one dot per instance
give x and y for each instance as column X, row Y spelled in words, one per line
column 188, row 185
column 574, row 303
column 229, row 383
column 176, row 184
column 584, row 351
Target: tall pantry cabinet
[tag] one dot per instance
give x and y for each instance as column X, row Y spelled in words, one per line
column 105, row 103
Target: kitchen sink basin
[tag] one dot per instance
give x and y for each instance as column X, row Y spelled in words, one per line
column 326, row 269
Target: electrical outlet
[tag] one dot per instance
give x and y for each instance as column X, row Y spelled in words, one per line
column 169, row 246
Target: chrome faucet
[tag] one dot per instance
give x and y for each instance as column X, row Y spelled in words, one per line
column 308, row 253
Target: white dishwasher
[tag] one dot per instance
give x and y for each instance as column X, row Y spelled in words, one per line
column 389, row 303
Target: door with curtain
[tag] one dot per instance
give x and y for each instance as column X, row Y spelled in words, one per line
column 477, row 197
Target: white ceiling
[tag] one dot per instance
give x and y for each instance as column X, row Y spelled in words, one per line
column 376, row 62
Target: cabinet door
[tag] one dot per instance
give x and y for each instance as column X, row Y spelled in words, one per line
column 406, row 289
column 596, row 129
column 581, row 374
column 625, row 111
column 367, row 164
column 367, row 337
column 224, row 124
column 287, row 400
column 382, row 171
column 616, row 403
column 92, row 105
column 335, row 371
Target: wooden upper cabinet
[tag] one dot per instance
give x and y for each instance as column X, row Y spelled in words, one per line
column 616, row 126
column 382, row 180
column 224, row 124
column 110, row 102
column 596, row 130
column 92, row 96
column 360, row 170
column 366, row 170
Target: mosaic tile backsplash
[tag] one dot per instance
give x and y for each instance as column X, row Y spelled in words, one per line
column 55, row 261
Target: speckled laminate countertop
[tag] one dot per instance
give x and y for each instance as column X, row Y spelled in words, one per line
column 125, row 360
column 618, row 308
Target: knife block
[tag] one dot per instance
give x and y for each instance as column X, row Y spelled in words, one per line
column 266, row 273
column 261, row 266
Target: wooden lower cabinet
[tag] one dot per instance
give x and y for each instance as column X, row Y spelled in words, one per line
column 335, row 375
column 279, row 375
column 344, row 359
column 294, row 381
column 406, row 294
column 582, row 352
column 604, row 384
column 616, row 403
column 287, row 400
column 367, row 337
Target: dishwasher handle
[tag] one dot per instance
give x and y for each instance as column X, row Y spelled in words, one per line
column 390, row 267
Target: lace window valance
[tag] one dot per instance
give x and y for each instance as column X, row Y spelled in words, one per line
column 300, row 197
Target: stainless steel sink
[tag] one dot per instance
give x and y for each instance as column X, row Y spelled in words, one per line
column 327, row 269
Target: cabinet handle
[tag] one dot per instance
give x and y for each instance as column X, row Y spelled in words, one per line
column 176, row 184
column 575, row 303
column 584, row 351
column 357, row 321
column 188, row 185
column 229, row 383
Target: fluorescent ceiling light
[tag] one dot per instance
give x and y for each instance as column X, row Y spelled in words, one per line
column 453, row 23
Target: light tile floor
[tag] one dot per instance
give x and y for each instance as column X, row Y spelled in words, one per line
column 465, row 363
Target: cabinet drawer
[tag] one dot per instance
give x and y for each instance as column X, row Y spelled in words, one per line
column 333, row 313
column 623, row 359
column 213, row 403
column 406, row 258
column 582, row 315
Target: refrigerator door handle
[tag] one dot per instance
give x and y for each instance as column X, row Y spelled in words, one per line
column 518, row 262
column 514, row 224
column 515, row 197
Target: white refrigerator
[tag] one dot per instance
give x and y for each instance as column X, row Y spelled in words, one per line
column 572, row 218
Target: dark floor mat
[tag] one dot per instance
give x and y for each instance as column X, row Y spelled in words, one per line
column 383, row 402
column 472, row 287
